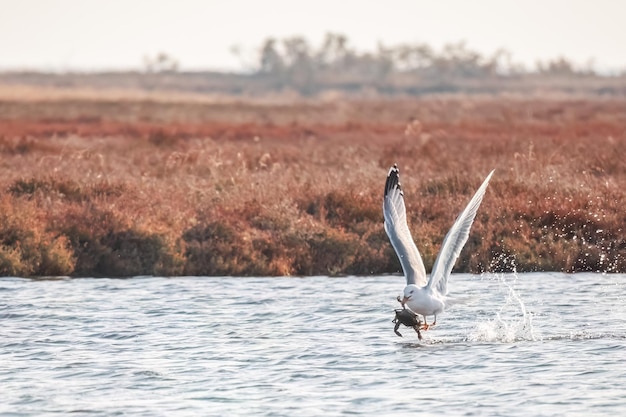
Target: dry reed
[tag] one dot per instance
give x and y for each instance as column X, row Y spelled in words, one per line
column 120, row 188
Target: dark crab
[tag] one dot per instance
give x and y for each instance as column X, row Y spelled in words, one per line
column 409, row 319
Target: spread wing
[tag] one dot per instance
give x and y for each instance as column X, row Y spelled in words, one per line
column 398, row 230
column 455, row 240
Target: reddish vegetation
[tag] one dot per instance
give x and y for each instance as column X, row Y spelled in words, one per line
column 119, row 188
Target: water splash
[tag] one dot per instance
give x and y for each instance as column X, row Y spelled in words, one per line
column 512, row 322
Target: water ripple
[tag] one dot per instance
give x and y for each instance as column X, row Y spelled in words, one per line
column 534, row 344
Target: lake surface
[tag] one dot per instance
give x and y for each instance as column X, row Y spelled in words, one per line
column 527, row 345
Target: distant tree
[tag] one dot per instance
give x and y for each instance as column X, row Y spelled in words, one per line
column 501, row 63
column 299, row 63
column 162, row 62
column 294, row 62
column 271, row 60
column 557, row 66
column 410, row 58
column 297, row 51
column 334, row 52
column 246, row 60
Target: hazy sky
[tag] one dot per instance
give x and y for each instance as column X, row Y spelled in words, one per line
column 117, row 34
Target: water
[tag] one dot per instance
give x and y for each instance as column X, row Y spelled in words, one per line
column 527, row 345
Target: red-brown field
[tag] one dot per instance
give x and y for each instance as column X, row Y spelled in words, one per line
column 127, row 186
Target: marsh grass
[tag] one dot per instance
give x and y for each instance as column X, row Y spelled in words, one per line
column 156, row 188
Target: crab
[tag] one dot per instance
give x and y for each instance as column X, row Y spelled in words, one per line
column 409, row 319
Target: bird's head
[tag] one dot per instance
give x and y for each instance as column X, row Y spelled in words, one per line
column 407, row 294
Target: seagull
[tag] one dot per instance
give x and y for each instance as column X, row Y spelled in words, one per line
column 423, row 296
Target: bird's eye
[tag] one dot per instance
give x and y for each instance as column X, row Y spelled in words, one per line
column 411, row 292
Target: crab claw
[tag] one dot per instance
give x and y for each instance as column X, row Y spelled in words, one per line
column 402, row 301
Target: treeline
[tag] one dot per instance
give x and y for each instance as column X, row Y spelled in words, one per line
column 296, row 58
column 335, row 56
column 295, row 65
column 294, row 62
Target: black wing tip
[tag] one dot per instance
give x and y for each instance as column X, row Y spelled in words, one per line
column 393, row 179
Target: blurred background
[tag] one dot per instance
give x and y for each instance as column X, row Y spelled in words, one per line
column 253, row 137
column 412, row 47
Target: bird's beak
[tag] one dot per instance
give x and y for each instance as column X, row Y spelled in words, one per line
column 404, row 300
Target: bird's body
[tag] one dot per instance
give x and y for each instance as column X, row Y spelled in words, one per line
column 424, row 301
column 424, row 295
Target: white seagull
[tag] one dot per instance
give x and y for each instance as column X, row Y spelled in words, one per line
column 423, row 296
